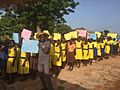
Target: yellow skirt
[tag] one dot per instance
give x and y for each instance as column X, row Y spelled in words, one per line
column 79, row 54
column 63, row 56
column 23, row 69
column 10, row 68
column 85, row 55
column 57, row 62
column 107, row 49
column 91, row 54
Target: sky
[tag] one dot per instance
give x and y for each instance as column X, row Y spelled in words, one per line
column 96, row 15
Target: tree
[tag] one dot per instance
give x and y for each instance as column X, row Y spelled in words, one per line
column 43, row 13
column 8, row 25
column 62, row 28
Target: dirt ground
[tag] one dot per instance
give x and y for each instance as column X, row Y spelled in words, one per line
column 103, row 75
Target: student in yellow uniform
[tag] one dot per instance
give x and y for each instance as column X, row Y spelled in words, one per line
column 111, row 46
column 52, row 51
column 11, row 67
column 57, row 61
column 24, row 65
column 115, row 48
column 79, row 52
column 102, row 48
column 95, row 49
column 63, row 56
column 99, row 54
column 107, row 48
column 118, row 51
column 85, row 53
column 91, row 50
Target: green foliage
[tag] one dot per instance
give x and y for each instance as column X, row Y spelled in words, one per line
column 43, row 13
column 62, row 28
column 9, row 25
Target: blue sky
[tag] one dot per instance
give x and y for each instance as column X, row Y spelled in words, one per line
column 96, row 15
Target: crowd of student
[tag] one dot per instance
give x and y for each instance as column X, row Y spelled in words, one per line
column 73, row 53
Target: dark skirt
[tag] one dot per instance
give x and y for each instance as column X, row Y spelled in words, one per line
column 70, row 57
column 103, row 51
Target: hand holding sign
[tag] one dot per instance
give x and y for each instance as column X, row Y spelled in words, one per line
column 30, row 46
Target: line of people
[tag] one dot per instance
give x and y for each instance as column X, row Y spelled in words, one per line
column 73, row 52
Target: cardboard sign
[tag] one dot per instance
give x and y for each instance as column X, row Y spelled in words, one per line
column 57, row 36
column 16, row 37
column 93, row 36
column 74, row 34
column 113, row 35
column 67, row 36
column 26, row 34
column 82, row 33
column 98, row 34
column 30, row 46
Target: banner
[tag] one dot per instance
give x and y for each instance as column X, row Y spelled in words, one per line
column 26, row 34
column 30, row 46
column 16, row 37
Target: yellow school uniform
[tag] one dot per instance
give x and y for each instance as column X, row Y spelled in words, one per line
column 105, row 41
column 98, row 49
column 11, row 56
column 95, row 44
column 23, row 69
column 63, row 46
column 119, row 44
column 107, row 47
column 57, row 62
column 79, row 52
column 91, row 50
column 52, row 51
column 102, row 45
column 85, row 52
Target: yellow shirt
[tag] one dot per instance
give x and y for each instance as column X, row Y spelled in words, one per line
column 57, row 48
column 102, row 45
column 98, row 45
column 63, row 45
column 23, row 54
column 85, row 46
column 78, row 44
column 11, row 52
column 95, row 44
column 90, row 45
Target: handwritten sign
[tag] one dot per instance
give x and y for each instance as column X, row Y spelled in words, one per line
column 113, row 35
column 67, row 36
column 26, row 34
column 74, row 34
column 82, row 33
column 16, row 37
column 98, row 34
column 30, row 46
column 93, row 36
column 57, row 36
